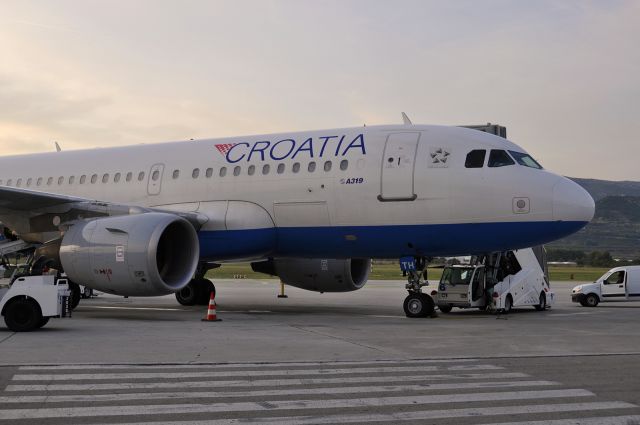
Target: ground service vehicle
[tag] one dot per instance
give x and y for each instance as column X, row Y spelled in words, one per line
column 30, row 301
column 497, row 282
column 618, row 284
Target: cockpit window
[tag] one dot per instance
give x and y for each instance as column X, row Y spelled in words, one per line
column 475, row 159
column 525, row 159
column 499, row 158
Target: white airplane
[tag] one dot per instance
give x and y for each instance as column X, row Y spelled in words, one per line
column 312, row 207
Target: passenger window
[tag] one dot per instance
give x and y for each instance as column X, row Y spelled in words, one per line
column 499, row 158
column 280, row 169
column 72, row 179
column 141, row 176
column 195, row 173
column 266, row 168
column 155, row 176
column 616, row 278
column 327, row 166
column 94, row 178
column 39, row 181
column 311, row 167
column 209, row 172
column 29, row 180
column 236, row 170
column 251, row 170
column 525, row 159
column 83, row 178
column 105, row 178
column 116, row 178
column 475, row 159
column 49, row 181
column 176, row 174
column 19, row 183
column 129, row 176
column 9, row 182
column 60, row 180
column 344, row 164
column 295, row 167
column 223, row 171
column 0, row 182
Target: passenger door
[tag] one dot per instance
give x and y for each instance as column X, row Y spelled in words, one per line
column 398, row 162
column 613, row 287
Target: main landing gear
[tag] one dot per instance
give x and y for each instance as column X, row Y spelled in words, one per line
column 199, row 289
column 417, row 303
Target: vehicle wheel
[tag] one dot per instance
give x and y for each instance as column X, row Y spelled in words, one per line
column 508, row 303
column 43, row 322
column 418, row 305
column 445, row 308
column 591, row 300
column 205, row 288
column 583, row 303
column 188, row 295
column 75, row 295
column 543, row 302
column 23, row 315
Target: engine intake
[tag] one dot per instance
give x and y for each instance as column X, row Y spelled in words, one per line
column 320, row 275
column 139, row 255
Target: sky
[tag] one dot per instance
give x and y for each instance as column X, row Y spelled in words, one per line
column 562, row 76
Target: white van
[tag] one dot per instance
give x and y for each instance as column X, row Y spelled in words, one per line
column 618, row 284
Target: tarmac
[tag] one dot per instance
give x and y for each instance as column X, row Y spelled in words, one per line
column 323, row 358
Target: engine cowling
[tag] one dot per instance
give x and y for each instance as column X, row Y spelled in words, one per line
column 320, row 275
column 139, row 255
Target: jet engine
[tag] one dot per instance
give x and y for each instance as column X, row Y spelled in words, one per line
column 320, row 275
column 140, row 255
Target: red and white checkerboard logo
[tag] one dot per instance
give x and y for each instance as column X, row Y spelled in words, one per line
column 224, row 148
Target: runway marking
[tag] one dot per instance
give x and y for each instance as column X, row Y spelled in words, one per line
column 132, row 308
column 263, row 393
column 434, row 414
column 203, row 374
column 258, row 383
column 162, row 409
column 200, row 366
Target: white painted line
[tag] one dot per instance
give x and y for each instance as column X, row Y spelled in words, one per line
column 434, row 414
column 47, row 398
column 203, row 374
column 201, row 366
column 173, row 409
column 131, row 308
column 261, row 382
column 607, row 420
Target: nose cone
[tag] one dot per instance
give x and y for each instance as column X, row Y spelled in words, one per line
column 571, row 203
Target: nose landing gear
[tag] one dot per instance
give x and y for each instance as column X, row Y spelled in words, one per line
column 417, row 303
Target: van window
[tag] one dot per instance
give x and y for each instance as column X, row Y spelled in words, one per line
column 475, row 159
column 499, row 158
column 615, row 278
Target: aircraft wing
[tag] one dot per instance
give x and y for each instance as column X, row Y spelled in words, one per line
column 37, row 216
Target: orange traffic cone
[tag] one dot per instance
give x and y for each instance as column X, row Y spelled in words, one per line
column 211, row 312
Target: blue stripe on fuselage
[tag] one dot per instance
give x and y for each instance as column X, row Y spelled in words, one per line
column 381, row 241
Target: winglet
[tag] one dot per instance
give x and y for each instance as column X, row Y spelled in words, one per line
column 57, row 147
column 406, row 120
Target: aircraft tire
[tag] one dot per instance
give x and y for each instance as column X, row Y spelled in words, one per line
column 188, row 295
column 205, row 288
column 543, row 303
column 23, row 315
column 75, row 295
column 43, row 322
column 418, row 305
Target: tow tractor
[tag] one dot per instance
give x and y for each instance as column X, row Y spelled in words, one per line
column 497, row 282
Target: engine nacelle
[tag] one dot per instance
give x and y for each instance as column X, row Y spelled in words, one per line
column 320, row 275
column 139, row 255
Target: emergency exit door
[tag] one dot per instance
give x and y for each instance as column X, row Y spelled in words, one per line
column 155, row 179
column 398, row 163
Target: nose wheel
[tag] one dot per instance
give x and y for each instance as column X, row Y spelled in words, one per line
column 417, row 303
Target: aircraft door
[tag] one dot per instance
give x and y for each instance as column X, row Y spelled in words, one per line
column 154, row 184
column 398, row 163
